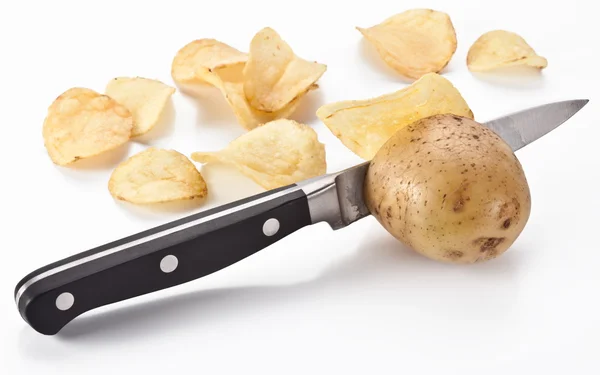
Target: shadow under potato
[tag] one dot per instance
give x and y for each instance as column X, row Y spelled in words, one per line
column 378, row 261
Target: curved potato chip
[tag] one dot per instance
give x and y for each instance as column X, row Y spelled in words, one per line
column 500, row 48
column 155, row 176
column 232, row 87
column 414, row 42
column 365, row 125
column 82, row 123
column 274, row 76
column 145, row 98
column 195, row 62
column 275, row 154
column 210, row 61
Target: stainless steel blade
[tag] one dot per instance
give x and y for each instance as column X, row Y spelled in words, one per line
column 521, row 128
column 337, row 198
column 349, row 186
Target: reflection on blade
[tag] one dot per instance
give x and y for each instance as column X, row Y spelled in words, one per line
column 349, row 185
column 521, row 128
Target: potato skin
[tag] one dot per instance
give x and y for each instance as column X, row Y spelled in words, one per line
column 449, row 188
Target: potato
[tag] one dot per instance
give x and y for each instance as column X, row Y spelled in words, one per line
column 449, row 188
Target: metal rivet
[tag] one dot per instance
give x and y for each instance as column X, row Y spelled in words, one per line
column 65, row 301
column 270, row 227
column 169, row 263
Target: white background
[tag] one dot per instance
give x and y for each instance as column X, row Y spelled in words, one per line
column 325, row 302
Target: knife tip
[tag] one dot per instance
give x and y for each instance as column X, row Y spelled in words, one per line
column 579, row 103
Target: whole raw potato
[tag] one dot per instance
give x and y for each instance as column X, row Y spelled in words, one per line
column 449, row 188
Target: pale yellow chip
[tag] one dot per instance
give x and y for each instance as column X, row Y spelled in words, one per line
column 82, row 123
column 275, row 154
column 414, row 42
column 365, row 125
column 500, row 48
column 145, row 98
column 231, row 83
column 210, row 61
column 274, row 76
column 195, row 62
column 157, row 175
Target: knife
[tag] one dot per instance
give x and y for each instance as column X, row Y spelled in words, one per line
column 201, row 244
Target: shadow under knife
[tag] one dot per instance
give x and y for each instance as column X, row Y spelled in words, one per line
column 380, row 257
column 203, row 306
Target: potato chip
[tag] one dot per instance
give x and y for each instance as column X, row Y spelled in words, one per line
column 156, row 175
column 195, row 62
column 82, row 123
column 500, row 48
column 365, row 125
column 145, row 98
column 414, row 42
column 210, row 61
column 276, row 154
column 274, row 76
column 232, row 87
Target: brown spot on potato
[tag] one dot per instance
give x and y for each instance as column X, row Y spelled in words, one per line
column 459, row 204
column 454, row 254
column 511, row 209
column 460, row 197
column 488, row 243
column 506, row 224
column 491, row 254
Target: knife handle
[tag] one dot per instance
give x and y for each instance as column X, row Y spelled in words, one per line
column 159, row 258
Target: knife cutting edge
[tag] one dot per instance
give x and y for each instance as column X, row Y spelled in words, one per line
column 203, row 243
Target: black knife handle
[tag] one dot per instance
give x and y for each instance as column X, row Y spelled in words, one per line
column 159, row 258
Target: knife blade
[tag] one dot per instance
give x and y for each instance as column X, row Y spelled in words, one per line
column 200, row 244
column 521, row 128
